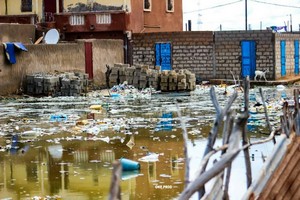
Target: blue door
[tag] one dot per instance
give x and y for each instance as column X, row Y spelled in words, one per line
column 282, row 57
column 248, row 58
column 163, row 55
column 296, row 57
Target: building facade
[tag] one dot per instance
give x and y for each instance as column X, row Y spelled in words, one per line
column 93, row 18
column 221, row 54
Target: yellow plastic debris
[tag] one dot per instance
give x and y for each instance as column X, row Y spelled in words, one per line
column 96, row 107
column 82, row 122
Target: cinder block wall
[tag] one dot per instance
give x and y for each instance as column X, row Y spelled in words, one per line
column 289, row 52
column 210, row 55
column 189, row 50
column 229, row 53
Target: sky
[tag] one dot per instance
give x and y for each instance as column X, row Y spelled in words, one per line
column 224, row 15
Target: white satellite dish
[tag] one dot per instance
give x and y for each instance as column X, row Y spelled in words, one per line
column 52, row 36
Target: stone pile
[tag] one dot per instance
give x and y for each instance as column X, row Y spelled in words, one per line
column 142, row 77
column 62, row 84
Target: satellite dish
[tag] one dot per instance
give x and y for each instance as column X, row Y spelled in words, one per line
column 52, row 36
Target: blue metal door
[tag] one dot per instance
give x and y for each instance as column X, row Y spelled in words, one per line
column 248, row 58
column 296, row 57
column 282, row 57
column 163, row 55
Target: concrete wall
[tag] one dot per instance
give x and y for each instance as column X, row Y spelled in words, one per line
column 38, row 59
column 106, row 52
column 159, row 19
column 17, row 33
column 289, row 51
column 61, row 57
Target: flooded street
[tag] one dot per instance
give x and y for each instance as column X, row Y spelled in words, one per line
column 63, row 147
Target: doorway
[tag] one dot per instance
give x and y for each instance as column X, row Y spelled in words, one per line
column 282, row 57
column 50, row 9
column 248, row 58
column 163, row 55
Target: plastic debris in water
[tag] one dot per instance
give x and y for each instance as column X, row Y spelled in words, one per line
column 151, row 157
column 58, row 118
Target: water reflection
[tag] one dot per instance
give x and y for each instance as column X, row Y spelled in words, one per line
column 83, row 169
column 58, row 147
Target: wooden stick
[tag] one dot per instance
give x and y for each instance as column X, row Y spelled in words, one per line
column 226, row 135
column 115, row 189
column 207, row 175
column 214, row 131
column 296, row 112
column 244, row 133
column 266, row 113
column 219, row 166
column 284, row 120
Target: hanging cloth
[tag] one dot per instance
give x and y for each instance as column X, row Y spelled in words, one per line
column 10, row 50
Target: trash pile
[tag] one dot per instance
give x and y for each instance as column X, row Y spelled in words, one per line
column 130, row 92
column 61, row 84
column 142, row 77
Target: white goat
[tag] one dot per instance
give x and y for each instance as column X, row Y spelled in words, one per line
column 261, row 74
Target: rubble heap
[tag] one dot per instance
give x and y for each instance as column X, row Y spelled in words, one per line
column 62, row 84
column 141, row 77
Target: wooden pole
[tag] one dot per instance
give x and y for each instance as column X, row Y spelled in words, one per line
column 266, row 113
column 217, row 123
column 226, row 135
column 244, row 133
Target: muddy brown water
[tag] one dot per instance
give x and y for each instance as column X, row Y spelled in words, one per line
column 59, row 148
